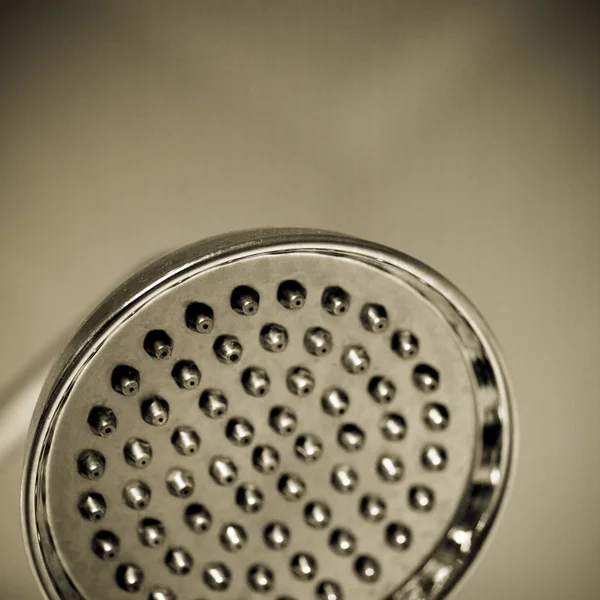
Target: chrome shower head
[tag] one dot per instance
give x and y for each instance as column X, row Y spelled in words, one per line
column 283, row 414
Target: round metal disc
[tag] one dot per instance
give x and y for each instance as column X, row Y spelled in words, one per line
column 283, row 413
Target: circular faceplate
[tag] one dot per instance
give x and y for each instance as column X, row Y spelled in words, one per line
column 285, row 423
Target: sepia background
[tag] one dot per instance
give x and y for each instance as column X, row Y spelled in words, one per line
column 465, row 134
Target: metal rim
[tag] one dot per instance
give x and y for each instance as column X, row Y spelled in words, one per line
column 458, row 546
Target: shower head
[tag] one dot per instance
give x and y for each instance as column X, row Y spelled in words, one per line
column 282, row 414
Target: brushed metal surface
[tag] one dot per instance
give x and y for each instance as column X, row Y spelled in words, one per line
column 452, row 337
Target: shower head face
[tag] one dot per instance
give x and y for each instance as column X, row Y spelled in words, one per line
column 279, row 415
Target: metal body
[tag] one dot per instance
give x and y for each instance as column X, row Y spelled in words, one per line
column 324, row 418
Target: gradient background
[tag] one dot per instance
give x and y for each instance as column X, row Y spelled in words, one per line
column 467, row 135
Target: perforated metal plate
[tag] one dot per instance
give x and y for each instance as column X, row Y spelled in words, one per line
column 280, row 414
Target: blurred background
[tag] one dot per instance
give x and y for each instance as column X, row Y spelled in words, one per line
column 467, row 135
